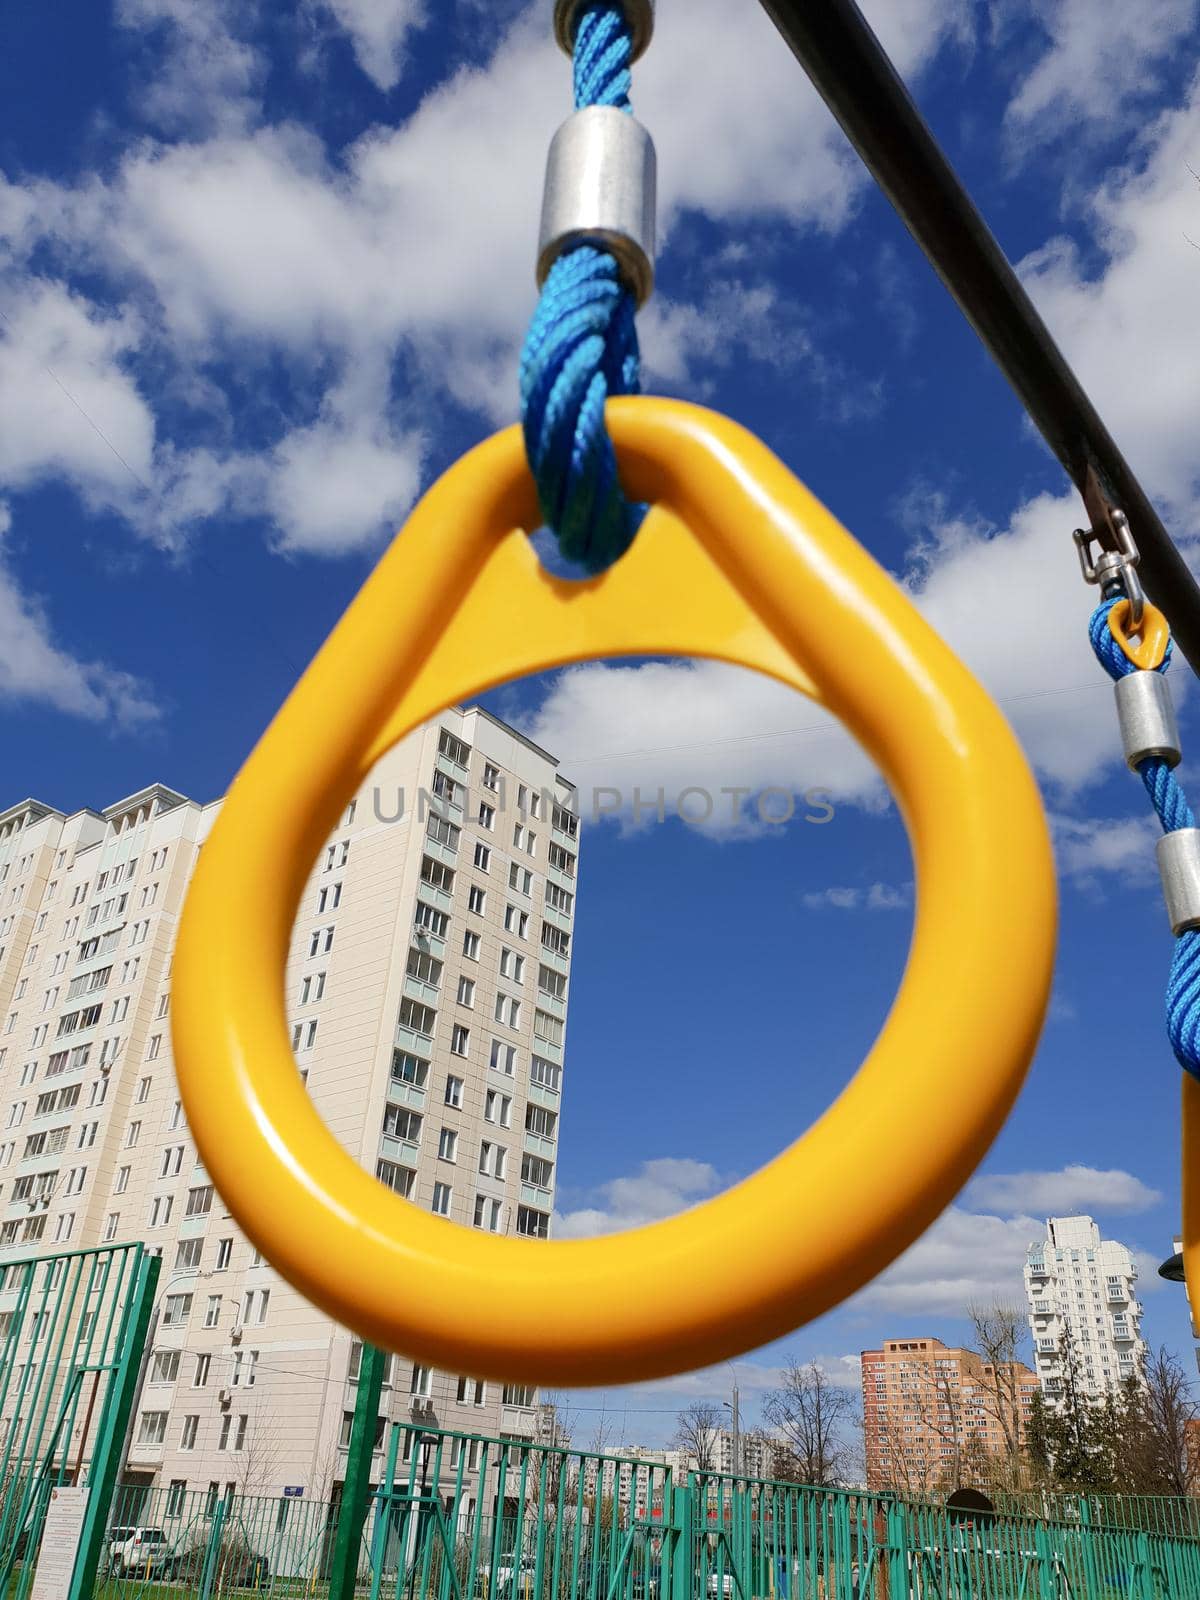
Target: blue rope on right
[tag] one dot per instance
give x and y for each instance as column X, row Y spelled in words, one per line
column 582, row 347
column 1174, row 812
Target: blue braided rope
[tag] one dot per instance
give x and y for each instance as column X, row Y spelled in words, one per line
column 1174, row 812
column 582, row 347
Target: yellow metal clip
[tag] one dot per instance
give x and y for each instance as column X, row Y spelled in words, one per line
column 733, row 563
column 1153, row 634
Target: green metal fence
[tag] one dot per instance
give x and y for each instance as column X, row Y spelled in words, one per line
column 72, row 1329
column 460, row 1517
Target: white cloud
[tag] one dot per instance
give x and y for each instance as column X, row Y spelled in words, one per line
column 963, row 1258
column 36, row 670
column 1072, row 1190
column 877, row 897
column 378, row 30
column 1120, row 324
column 1088, row 848
column 1099, row 63
column 68, row 407
column 203, row 76
column 659, row 1188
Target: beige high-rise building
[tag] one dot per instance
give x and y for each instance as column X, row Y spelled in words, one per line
column 1084, row 1312
column 427, row 988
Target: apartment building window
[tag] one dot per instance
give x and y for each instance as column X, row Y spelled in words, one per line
column 483, row 856
column 561, row 860
column 233, row 1433
column 224, row 1255
column 541, row 1122
column 559, row 899
column 176, row 1497
column 503, row 1058
column 487, row 815
column 476, row 900
column 497, row 1107
column 420, row 1019
column 321, row 942
column 212, row 1311
column 153, row 1427
column 512, row 966
column 517, row 1394
column 400, row 1123
column 520, row 879
column 448, row 1145
column 329, row 898
column 427, row 920
column 443, row 832
column 442, row 1196
column 111, row 1223
column 254, row 1307
column 164, row 1366
column 201, row 1370
column 187, row 1435
column 471, row 945
column 121, row 1183
column 533, row 1224
column 537, row 1171
column 160, row 1211
column 516, row 921
column 555, row 940
column 98, row 1093
column 437, row 874
column 489, row 1214
column 337, row 855
column 551, row 983
column 565, row 821
column 76, row 1178
column 398, row 1178
column 454, row 1091
column 188, row 1254
column 421, row 1382
column 493, row 1159
column 508, row 1011
column 64, row 1227
column 472, row 1392
column 491, row 776
column 132, row 1134
column 460, row 1040
column 410, row 1069
column 199, row 1201
column 425, row 968
column 304, row 1035
column 172, row 1161
column 547, row 1028
column 245, row 1367
column 143, row 1091
column 453, row 749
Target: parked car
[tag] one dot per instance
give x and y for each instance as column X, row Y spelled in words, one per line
column 139, row 1550
column 507, row 1569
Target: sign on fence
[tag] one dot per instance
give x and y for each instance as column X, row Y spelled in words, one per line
column 60, row 1543
column 293, row 1491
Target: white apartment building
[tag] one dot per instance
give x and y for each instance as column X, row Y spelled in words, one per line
column 1080, row 1292
column 428, row 985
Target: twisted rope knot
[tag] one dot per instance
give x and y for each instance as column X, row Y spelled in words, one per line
column 1174, row 812
column 582, row 347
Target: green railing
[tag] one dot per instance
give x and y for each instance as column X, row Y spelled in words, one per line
column 1158, row 1514
column 460, row 1517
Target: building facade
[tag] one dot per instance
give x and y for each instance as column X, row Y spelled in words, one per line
column 1084, row 1313
column 933, row 1414
column 427, row 988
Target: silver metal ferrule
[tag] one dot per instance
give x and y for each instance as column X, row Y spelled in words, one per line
column 601, row 180
column 1179, row 868
column 1147, row 718
column 638, row 13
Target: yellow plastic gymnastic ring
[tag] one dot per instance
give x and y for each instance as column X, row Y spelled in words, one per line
column 732, row 564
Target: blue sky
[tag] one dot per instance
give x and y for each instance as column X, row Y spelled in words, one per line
column 264, row 272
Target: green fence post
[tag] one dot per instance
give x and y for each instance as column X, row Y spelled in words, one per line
column 352, row 1512
column 677, row 1512
column 1145, row 1568
column 212, row 1550
column 897, row 1554
column 114, row 1417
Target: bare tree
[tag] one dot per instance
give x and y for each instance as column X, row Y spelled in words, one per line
column 1000, row 1332
column 812, row 1415
column 259, row 1457
column 697, row 1431
column 556, row 1428
column 1160, row 1416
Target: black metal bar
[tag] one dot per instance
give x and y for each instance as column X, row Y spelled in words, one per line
column 852, row 73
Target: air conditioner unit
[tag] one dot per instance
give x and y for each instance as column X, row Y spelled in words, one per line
column 235, row 1335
